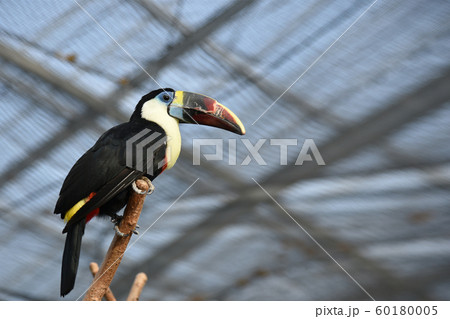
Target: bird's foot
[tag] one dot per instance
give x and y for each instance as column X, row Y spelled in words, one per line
column 116, row 221
column 150, row 189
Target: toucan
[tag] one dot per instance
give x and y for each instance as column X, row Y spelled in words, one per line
column 101, row 181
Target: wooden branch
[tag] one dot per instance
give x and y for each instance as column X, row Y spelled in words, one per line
column 109, row 296
column 105, row 275
column 138, row 285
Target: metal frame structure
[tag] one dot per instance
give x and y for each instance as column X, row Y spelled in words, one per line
column 245, row 199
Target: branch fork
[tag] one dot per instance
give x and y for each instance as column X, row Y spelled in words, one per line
column 114, row 255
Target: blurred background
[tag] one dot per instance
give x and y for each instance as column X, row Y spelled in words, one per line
column 376, row 103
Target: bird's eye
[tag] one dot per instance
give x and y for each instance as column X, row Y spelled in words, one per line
column 166, row 97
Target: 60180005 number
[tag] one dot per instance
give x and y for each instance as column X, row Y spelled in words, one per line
column 406, row 310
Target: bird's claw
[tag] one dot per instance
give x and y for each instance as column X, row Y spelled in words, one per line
column 116, row 220
column 140, row 192
column 119, row 233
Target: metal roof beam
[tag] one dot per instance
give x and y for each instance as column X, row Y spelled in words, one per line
column 191, row 40
column 34, row 67
column 429, row 97
column 238, row 65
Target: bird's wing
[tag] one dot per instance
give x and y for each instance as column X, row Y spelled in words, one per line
column 102, row 170
column 116, row 185
column 102, row 162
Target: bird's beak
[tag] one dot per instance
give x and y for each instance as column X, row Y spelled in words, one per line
column 200, row 109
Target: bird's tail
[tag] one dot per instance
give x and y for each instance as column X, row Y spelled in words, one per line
column 71, row 256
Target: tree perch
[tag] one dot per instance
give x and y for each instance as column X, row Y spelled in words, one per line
column 108, row 268
column 138, row 285
column 109, row 296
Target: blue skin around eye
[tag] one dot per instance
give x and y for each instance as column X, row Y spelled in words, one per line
column 161, row 97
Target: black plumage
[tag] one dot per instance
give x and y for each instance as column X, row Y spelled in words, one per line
column 102, row 170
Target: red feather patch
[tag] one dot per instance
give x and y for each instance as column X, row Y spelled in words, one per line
column 94, row 212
